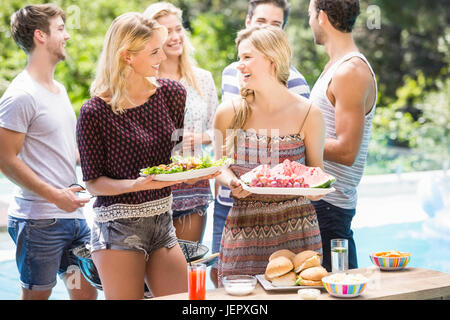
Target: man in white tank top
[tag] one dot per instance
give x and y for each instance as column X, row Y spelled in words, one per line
column 346, row 92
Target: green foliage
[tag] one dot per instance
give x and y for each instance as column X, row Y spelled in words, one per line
column 422, row 144
column 409, row 53
column 214, row 42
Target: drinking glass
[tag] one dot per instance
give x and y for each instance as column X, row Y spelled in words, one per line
column 339, row 255
column 196, row 281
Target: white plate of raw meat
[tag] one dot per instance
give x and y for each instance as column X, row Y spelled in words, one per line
column 288, row 191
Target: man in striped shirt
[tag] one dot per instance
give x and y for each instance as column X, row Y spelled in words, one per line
column 260, row 12
column 275, row 13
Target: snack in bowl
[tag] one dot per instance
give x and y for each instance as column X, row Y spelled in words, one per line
column 344, row 285
column 309, row 294
column 239, row 285
column 390, row 260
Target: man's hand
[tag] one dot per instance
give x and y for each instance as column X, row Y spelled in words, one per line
column 67, row 200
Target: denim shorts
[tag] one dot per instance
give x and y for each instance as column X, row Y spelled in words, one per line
column 145, row 234
column 44, row 248
column 201, row 210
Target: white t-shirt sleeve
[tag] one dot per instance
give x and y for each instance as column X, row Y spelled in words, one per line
column 17, row 110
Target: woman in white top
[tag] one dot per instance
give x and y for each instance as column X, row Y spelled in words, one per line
column 189, row 201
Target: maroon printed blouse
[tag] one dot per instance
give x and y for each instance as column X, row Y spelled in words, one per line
column 118, row 146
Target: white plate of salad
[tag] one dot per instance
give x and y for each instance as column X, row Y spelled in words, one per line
column 184, row 168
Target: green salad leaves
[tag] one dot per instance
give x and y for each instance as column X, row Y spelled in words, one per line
column 182, row 164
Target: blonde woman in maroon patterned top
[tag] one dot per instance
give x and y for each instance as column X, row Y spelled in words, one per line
column 127, row 125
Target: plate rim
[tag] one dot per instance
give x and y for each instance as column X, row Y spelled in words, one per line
column 295, row 191
column 265, row 284
column 176, row 175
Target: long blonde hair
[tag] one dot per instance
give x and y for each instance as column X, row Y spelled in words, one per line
column 186, row 61
column 274, row 45
column 128, row 32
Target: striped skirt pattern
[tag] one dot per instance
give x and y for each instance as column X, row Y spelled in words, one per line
column 258, row 226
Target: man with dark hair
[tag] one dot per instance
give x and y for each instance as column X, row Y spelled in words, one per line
column 275, row 13
column 341, row 14
column 346, row 92
column 282, row 4
column 39, row 154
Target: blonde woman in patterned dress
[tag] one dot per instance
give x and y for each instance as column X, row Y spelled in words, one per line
column 190, row 202
column 268, row 124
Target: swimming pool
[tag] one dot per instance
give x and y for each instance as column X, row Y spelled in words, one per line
column 398, row 222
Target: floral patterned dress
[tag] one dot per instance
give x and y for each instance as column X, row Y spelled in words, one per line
column 198, row 118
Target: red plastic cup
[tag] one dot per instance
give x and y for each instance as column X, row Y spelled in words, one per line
column 196, row 281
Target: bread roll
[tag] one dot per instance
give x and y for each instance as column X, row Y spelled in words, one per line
column 314, row 273
column 310, row 283
column 306, row 259
column 314, row 261
column 278, row 266
column 312, row 276
column 282, row 253
column 287, row 279
column 267, row 277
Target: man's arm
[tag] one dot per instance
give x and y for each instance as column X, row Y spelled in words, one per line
column 348, row 91
column 78, row 157
column 18, row 172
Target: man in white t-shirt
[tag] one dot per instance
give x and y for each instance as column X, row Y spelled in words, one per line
column 39, row 154
column 275, row 13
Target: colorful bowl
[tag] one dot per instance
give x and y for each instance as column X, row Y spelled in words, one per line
column 390, row 263
column 344, row 289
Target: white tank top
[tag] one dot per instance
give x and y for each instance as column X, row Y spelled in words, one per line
column 347, row 177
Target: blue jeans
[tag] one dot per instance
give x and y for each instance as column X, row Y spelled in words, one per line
column 44, row 248
column 335, row 223
column 220, row 215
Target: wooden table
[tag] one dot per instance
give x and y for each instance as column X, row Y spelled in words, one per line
column 406, row 284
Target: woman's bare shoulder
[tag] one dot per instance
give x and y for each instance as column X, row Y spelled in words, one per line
column 226, row 111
